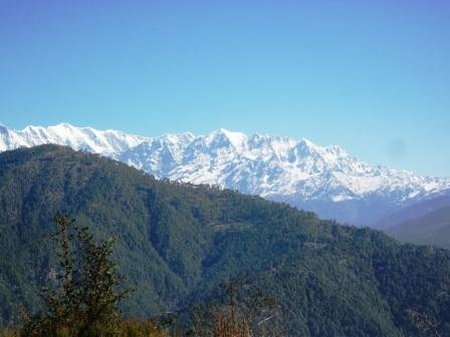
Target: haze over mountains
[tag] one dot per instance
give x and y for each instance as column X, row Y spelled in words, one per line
column 433, row 228
column 326, row 180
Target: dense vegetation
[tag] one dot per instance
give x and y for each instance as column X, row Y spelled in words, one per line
column 81, row 300
column 177, row 244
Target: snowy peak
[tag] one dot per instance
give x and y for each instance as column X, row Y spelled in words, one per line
column 280, row 168
column 106, row 142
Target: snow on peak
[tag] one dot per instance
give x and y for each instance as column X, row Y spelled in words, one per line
column 258, row 164
column 86, row 138
column 224, row 138
column 236, row 138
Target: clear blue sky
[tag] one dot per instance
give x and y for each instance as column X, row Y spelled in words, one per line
column 371, row 76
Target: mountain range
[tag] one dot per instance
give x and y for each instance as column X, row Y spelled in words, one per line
column 177, row 244
column 323, row 179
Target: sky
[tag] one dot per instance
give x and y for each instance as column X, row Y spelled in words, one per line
column 370, row 76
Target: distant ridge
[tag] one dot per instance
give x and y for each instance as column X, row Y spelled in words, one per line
column 432, row 228
column 326, row 180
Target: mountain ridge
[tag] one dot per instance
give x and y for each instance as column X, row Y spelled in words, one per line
column 177, row 243
column 324, row 179
column 432, row 228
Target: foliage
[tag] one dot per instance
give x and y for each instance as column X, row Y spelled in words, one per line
column 125, row 328
column 177, row 244
column 85, row 297
column 243, row 310
column 430, row 325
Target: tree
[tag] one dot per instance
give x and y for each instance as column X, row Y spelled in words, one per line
column 430, row 325
column 83, row 301
column 242, row 311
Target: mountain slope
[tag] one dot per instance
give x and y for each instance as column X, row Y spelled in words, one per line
column 326, row 180
column 430, row 229
column 177, row 243
column 416, row 210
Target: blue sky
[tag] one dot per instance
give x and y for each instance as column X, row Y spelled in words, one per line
column 371, row 76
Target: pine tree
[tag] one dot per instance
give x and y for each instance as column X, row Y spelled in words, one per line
column 84, row 300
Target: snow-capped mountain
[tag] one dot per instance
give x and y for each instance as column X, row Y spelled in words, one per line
column 323, row 179
column 109, row 142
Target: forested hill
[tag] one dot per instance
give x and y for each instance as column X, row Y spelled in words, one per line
column 178, row 243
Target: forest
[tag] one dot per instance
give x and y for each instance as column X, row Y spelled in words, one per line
column 177, row 245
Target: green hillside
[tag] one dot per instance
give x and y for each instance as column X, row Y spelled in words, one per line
column 178, row 243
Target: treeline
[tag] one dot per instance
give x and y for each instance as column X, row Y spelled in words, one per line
column 177, row 244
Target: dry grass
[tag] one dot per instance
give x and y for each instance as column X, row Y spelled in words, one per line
column 226, row 323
